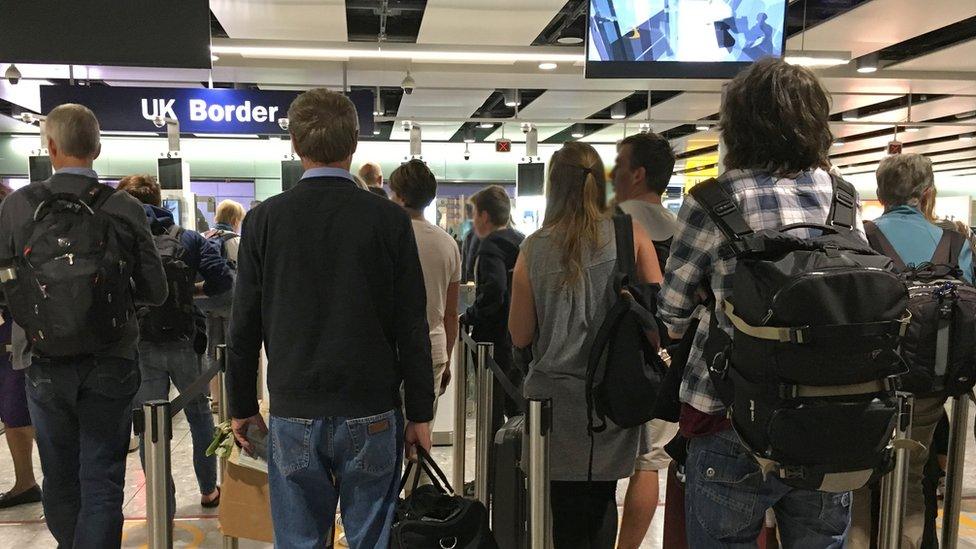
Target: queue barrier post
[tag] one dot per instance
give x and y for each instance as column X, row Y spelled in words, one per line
column 223, row 414
column 157, row 431
column 460, row 410
column 958, row 427
column 539, row 428
column 483, row 429
column 895, row 484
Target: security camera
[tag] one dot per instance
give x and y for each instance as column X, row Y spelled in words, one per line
column 13, row 74
column 526, row 127
column 408, row 84
column 159, row 121
column 407, row 125
column 283, row 123
column 467, row 155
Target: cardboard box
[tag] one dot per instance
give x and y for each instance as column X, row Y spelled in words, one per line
column 245, row 504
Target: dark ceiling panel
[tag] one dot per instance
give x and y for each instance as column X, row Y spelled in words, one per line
column 384, row 20
column 635, row 103
column 950, row 35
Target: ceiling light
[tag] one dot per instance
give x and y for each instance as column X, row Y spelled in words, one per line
column 645, row 127
column 969, row 114
column 818, row 59
column 702, row 126
column 839, row 143
column 618, row 111
column 402, row 52
column 569, row 40
column 12, row 74
column 376, row 130
column 577, row 131
column 378, row 109
column 868, row 63
column 850, row 116
column 548, row 66
column 214, row 58
column 967, row 137
column 469, row 135
column 486, row 125
column 912, row 129
column 512, row 98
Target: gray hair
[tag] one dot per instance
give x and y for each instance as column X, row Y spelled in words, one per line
column 74, row 129
column 903, row 179
column 324, row 126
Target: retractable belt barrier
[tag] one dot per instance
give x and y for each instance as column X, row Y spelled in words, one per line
column 154, row 424
column 538, row 428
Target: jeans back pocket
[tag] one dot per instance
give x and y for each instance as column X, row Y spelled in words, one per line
column 291, row 440
column 726, row 493
column 374, row 442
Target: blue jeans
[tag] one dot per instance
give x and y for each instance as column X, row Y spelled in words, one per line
column 179, row 363
column 726, row 498
column 315, row 463
column 81, row 410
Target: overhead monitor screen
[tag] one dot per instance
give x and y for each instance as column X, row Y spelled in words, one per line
column 143, row 33
column 170, row 172
column 681, row 38
column 530, row 180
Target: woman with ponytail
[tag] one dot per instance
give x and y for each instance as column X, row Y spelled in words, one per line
column 562, row 289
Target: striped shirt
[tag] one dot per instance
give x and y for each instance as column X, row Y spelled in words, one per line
column 765, row 202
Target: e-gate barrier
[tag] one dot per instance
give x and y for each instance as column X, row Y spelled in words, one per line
column 154, row 424
column 535, row 451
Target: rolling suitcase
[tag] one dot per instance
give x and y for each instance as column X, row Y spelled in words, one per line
column 509, row 514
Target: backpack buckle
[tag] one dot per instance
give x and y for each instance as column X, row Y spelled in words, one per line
column 792, row 472
column 725, row 207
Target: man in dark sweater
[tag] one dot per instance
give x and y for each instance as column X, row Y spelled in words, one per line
column 81, row 404
column 329, row 279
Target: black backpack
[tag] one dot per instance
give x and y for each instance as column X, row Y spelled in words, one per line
column 625, row 371
column 174, row 320
column 71, row 287
column 809, row 376
column 940, row 345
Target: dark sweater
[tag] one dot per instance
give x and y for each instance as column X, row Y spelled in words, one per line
column 494, row 261
column 329, row 278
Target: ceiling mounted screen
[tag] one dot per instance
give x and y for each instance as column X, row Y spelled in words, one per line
column 681, row 38
column 142, row 33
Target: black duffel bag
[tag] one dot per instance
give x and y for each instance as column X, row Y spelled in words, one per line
column 433, row 516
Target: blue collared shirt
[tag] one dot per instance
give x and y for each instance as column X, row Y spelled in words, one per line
column 328, row 172
column 915, row 239
column 87, row 172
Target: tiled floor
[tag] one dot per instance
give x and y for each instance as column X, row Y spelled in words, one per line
column 23, row 527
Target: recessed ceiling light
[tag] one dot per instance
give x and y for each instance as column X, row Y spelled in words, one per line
column 469, row 135
column 578, row 131
column 486, row 125
column 850, row 116
column 548, row 66
column 618, row 111
column 512, row 98
column 376, row 130
column 569, row 40
column 967, row 137
column 818, row 59
column 839, row 143
column 868, row 64
column 214, row 58
column 912, row 129
column 702, row 127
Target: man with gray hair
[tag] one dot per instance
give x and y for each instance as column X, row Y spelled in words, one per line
column 81, row 376
column 329, row 279
column 904, row 182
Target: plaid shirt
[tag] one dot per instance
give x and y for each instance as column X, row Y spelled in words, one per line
column 766, row 203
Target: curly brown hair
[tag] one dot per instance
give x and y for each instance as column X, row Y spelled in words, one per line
column 775, row 117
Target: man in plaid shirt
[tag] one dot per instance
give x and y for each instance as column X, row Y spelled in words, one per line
column 776, row 131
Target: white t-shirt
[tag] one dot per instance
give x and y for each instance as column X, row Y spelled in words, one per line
column 440, row 260
column 658, row 221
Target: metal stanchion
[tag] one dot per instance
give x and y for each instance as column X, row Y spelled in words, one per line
column 156, row 435
column 223, row 414
column 895, row 483
column 540, row 519
column 483, row 432
column 460, row 411
column 954, row 471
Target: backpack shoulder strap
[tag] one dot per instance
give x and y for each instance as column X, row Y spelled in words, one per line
column 950, row 248
column 96, row 195
column 720, row 207
column 623, row 228
column 843, row 207
column 880, row 243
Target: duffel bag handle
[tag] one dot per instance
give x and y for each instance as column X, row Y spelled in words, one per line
column 426, row 464
column 827, row 229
